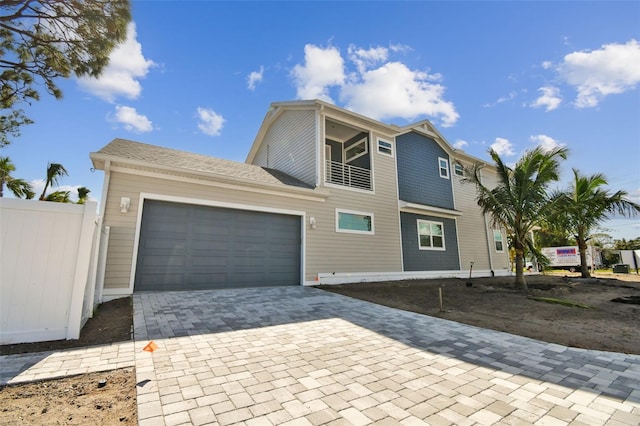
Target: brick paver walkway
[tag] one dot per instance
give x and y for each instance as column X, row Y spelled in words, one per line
column 48, row 365
column 301, row 356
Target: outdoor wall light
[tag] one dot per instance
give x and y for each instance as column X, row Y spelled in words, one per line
column 312, row 222
column 125, row 203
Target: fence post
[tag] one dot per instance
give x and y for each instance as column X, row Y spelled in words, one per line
column 83, row 259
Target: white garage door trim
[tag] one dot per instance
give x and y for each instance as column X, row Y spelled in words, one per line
column 211, row 203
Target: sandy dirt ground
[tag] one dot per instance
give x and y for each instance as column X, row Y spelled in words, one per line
column 494, row 303
column 485, row 302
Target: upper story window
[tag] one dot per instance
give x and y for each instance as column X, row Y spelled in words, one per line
column 356, row 150
column 443, row 166
column 385, row 147
column 354, row 222
column 458, row 169
column 430, row 235
column 497, row 239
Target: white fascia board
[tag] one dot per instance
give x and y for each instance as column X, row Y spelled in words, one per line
column 408, row 207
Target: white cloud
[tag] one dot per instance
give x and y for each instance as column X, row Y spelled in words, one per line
column 502, row 147
column 255, row 77
column 595, row 74
column 374, row 85
column 322, row 68
column 459, row 144
column 393, row 90
column 547, row 143
column 400, row 48
column 132, row 120
column 511, row 96
column 547, row 64
column 550, row 98
column 210, row 122
column 364, row 59
column 634, row 195
column 127, row 65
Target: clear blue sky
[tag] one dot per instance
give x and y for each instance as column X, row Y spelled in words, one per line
column 199, row 76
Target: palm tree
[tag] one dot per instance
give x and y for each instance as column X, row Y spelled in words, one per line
column 59, row 197
column 54, row 172
column 19, row 187
column 585, row 204
column 519, row 198
column 83, row 194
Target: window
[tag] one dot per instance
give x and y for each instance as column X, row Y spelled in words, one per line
column 356, row 150
column 354, row 222
column 443, row 165
column 497, row 239
column 430, row 235
column 458, row 169
column 385, row 147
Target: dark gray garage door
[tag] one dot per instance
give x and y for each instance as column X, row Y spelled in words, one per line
column 185, row 246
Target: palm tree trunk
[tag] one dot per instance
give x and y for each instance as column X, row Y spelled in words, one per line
column 584, row 267
column 521, row 282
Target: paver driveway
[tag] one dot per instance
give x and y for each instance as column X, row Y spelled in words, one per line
column 302, row 356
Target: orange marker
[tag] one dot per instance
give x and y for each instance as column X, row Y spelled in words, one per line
column 151, row 346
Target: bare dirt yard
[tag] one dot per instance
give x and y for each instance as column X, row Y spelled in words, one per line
column 583, row 316
column 581, row 313
column 77, row 400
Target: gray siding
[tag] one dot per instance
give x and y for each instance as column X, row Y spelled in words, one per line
column 419, row 178
column 472, row 232
column 428, row 260
column 289, row 145
column 500, row 260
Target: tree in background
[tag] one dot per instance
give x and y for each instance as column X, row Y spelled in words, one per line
column 584, row 205
column 41, row 41
column 520, row 197
column 623, row 244
column 59, row 197
column 83, row 194
column 55, row 171
column 19, row 187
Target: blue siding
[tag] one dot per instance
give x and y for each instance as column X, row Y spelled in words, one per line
column 419, row 178
column 428, row 260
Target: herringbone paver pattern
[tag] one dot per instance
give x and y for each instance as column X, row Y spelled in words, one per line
column 301, row 356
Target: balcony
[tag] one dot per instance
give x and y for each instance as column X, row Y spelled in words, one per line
column 347, row 175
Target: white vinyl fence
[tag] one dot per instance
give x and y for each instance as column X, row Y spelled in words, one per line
column 46, row 269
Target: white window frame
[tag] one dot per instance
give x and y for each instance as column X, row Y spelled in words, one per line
column 496, row 233
column 352, row 146
column 440, row 168
column 354, row 231
column 458, row 167
column 384, row 150
column 430, row 223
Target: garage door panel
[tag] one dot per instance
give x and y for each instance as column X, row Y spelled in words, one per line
column 185, row 246
column 162, row 261
column 209, row 262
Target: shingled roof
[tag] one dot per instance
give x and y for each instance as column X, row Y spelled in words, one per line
column 159, row 156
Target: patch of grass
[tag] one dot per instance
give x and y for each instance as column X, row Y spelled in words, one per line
column 560, row 302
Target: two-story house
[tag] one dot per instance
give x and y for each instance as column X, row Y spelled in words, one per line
column 324, row 196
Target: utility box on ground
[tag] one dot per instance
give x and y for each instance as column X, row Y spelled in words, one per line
column 620, row 269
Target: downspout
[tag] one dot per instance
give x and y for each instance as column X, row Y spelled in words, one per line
column 103, row 207
column 319, row 145
column 455, row 220
column 486, row 232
